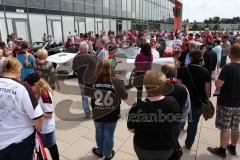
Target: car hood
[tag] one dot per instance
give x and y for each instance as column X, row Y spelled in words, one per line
column 61, row 57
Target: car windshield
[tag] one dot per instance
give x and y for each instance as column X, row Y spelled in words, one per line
column 130, row 53
column 169, row 43
column 37, row 45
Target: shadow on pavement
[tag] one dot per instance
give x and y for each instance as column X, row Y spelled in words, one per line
column 62, row 111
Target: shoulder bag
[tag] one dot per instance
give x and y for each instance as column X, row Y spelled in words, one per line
column 207, row 107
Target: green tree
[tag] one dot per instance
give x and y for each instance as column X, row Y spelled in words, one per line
column 216, row 27
column 216, row 19
column 210, row 21
column 206, row 21
column 195, row 27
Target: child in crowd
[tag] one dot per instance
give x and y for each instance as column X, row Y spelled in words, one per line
column 43, row 94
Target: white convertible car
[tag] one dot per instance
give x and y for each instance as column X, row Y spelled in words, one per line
column 63, row 63
column 125, row 57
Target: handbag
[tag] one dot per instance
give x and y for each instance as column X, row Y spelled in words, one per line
column 207, row 107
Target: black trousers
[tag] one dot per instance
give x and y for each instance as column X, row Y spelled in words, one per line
column 21, row 151
column 152, row 155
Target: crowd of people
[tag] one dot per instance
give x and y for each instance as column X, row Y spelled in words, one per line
column 175, row 93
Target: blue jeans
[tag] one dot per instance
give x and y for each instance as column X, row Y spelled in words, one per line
column 85, row 104
column 49, row 139
column 178, row 129
column 193, row 119
column 105, row 137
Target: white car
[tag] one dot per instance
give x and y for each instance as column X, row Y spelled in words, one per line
column 63, row 63
column 126, row 58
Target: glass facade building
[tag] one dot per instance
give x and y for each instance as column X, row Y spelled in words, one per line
column 29, row 19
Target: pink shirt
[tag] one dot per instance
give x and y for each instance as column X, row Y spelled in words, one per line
column 143, row 64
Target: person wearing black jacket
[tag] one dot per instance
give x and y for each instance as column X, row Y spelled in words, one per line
column 210, row 58
column 153, row 122
column 197, row 80
column 107, row 94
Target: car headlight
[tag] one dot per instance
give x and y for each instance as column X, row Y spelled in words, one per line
column 65, row 64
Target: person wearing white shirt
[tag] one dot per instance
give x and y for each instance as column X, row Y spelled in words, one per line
column 20, row 114
column 43, row 94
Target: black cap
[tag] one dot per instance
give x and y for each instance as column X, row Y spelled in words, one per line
column 32, row 78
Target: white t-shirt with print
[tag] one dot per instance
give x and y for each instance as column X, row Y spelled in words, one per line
column 18, row 109
column 46, row 104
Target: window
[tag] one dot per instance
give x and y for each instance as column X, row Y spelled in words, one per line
column 35, row 4
column 161, row 10
column 68, row 25
column 141, row 10
column 98, row 4
column 38, row 26
column 119, row 8
column 133, row 8
column 129, row 8
column 113, row 25
column 89, row 7
column 153, row 9
column 79, row 6
column 67, row 5
column 145, row 9
column 113, row 12
column 89, row 24
column 53, row 4
column 124, row 26
column 106, row 7
column 129, row 25
column 20, row 3
column 137, row 9
column 3, row 30
column 124, row 8
column 149, row 9
column 158, row 10
column 98, row 25
column 106, row 25
column 80, row 24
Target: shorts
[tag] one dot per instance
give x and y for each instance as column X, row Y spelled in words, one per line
column 48, row 139
column 227, row 118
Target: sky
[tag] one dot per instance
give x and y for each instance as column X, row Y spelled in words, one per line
column 203, row 9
